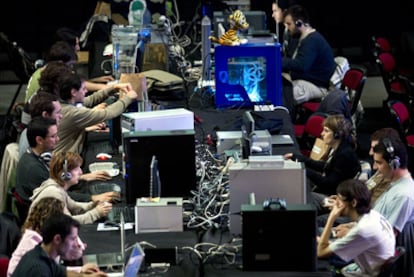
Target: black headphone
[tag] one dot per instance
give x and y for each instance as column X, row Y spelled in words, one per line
column 394, row 161
column 66, row 175
column 298, row 23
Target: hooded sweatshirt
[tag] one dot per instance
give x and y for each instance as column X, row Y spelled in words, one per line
column 84, row 212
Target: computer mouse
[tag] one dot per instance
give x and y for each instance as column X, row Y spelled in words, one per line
column 103, row 156
column 256, row 149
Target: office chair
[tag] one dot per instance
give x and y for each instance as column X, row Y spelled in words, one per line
column 390, row 266
column 401, row 119
column 307, row 133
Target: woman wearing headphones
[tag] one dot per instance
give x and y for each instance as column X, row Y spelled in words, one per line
column 342, row 162
column 65, row 171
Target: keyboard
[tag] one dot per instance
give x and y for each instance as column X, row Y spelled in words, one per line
column 128, row 211
column 99, row 188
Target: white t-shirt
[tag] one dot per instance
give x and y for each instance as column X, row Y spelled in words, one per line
column 369, row 243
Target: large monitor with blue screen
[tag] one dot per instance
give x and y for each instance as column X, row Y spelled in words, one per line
column 248, row 75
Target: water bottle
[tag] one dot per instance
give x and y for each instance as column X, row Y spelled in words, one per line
column 124, row 41
column 206, row 47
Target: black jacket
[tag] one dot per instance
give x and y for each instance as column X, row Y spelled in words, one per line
column 343, row 165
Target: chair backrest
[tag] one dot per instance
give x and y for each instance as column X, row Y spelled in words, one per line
column 313, row 126
column 353, row 83
column 382, row 44
column 390, row 265
column 400, row 113
column 4, row 265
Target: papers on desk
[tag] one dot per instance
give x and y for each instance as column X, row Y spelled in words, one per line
column 103, row 227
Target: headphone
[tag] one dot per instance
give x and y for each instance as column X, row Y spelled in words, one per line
column 299, row 23
column 394, row 161
column 66, row 175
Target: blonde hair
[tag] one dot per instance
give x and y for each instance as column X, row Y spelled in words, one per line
column 41, row 211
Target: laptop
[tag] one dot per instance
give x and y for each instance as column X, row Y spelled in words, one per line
column 282, row 140
column 113, row 263
column 133, row 265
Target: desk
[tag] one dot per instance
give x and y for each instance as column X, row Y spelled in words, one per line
column 109, row 241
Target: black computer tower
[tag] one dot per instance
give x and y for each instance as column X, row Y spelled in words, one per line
column 279, row 239
column 175, row 152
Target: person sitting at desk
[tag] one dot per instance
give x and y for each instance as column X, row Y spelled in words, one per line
column 370, row 242
column 75, row 119
column 65, row 172
column 342, row 162
column 33, row 167
column 32, row 227
column 312, row 64
column 60, row 237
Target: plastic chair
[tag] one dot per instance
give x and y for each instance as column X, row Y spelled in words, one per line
column 307, row 133
column 390, row 266
column 402, row 120
column 396, row 85
column 352, row 84
column 382, row 44
column 4, row 265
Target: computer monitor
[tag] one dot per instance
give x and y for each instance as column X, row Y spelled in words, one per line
column 175, row 154
column 248, row 75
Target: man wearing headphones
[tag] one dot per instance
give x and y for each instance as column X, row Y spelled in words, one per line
column 397, row 203
column 312, row 63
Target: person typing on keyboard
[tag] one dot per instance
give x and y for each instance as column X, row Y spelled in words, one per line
column 65, row 171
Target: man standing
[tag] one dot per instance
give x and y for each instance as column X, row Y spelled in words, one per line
column 60, row 235
column 312, row 64
column 370, row 241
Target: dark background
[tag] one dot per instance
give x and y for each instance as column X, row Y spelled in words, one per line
column 346, row 24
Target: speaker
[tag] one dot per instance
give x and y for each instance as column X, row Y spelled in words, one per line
column 175, row 152
column 394, row 161
column 66, row 175
column 279, row 239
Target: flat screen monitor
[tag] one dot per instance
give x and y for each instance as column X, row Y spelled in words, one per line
column 175, row 155
column 248, row 75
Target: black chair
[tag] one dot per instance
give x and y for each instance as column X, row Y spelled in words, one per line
column 390, row 266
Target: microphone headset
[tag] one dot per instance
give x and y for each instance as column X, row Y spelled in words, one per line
column 66, row 175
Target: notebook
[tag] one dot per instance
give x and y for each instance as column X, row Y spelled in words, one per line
column 282, row 140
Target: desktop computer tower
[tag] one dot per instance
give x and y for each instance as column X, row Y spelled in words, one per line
column 277, row 239
column 265, row 179
column 175, row 152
